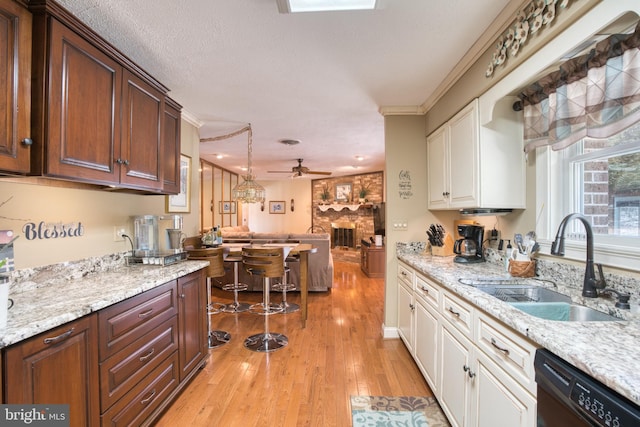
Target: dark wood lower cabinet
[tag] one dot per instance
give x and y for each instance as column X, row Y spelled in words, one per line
column 58, row 367
column 120, row 366
column 372, row 261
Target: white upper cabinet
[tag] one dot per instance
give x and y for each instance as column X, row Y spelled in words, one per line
column 473, row 166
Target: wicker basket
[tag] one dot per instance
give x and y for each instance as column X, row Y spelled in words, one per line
column 522, row 268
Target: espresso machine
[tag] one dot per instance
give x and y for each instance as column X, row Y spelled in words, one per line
column 468, row 248
column 157, row 240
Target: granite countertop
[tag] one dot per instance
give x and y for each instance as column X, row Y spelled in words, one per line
column 53, row 298
column 607, row 351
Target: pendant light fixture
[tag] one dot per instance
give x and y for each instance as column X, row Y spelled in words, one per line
column 249, row 191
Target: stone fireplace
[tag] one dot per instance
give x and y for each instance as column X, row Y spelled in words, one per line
column 347, row 219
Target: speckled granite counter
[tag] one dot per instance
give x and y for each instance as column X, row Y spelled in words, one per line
column 608, row 351
column 53, row 296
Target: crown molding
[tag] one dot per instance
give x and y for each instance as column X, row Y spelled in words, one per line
column 191, row 119
column 486, row 40
column 400, row 110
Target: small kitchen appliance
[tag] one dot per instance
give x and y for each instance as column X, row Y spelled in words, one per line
column 157, row 240
column 469, row 249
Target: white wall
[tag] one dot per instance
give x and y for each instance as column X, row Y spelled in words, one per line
column 297, row 221
column 98, row 211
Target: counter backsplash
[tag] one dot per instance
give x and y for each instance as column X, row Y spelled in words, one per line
column 559, row 272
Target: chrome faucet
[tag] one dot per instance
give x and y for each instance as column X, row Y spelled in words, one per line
column 591, row 284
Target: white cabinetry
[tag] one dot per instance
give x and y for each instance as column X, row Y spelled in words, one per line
column 480, row 370
column 473, row 166
column 406, row 306
column 427, row 330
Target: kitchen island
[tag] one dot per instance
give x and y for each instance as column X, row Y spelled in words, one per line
column 607, row 351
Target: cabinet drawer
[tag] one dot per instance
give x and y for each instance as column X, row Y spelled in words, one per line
column 457, row 313
column 145, row 397
column 125, row 322
column 510, row 351
column 120, row 372
column 406, row 275
column 427, row 291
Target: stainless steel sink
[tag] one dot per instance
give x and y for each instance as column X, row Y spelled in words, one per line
column 523, row 294
column 539, row 302
column 562, row 311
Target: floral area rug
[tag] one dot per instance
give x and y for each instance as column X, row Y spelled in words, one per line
column 405, row 411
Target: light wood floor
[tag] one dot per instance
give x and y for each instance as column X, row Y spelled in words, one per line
column 308, row 383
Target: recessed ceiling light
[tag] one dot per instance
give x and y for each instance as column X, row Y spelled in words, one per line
column 287, row 141
column 359, row 158
column 294, row 6
column 219, row 156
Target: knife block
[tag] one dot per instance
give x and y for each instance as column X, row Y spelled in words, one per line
column 446, row 249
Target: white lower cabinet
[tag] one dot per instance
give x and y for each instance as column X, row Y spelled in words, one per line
column 498, row 399
column 479, row 369
column 456, row 370
column 406, row 309
column 427, row 335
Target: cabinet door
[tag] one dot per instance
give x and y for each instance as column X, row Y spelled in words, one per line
column 192, row 321
column 438, row 168
column 493, row 388
column 82, row 139
column 455, row 385
column 463, row 157
column 171, row 147
column 405, row 316
column 15, row 87
column 58, row 367
column 427, row 338
column 141, row 160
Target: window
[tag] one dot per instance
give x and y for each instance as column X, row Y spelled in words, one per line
column 599, row 178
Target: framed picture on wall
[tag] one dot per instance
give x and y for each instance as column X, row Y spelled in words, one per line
column 343, row 192
column 181, row 202
column 227, row 207
column 277, row 207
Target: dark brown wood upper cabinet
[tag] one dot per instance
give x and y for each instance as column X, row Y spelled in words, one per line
column 96, row 116
column 80, row 136
column 15, row 87
column 171, row 138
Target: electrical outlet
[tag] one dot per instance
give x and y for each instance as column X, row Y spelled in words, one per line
column 400, row 225
column 118, row 231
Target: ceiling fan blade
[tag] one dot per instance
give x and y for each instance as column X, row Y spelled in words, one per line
column 318, row 173
column 278, row 171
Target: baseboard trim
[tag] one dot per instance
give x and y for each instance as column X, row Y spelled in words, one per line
column 389, row 332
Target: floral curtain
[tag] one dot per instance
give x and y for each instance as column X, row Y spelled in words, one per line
column 595, row 95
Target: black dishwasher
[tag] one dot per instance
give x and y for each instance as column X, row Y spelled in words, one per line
column 569, row 397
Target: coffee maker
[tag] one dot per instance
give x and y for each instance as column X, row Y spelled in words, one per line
column 468, row 249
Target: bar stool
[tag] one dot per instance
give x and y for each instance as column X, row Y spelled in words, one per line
column 215, row 269
column 268, row 263
column 236, row 286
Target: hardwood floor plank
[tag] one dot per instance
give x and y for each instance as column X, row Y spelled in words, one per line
column 340, row 353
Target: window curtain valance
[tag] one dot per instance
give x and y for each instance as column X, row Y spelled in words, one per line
column 594, row 95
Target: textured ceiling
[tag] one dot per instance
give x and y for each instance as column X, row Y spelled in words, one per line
column 317, row 77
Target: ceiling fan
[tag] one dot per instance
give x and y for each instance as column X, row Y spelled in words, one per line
column 301, row 170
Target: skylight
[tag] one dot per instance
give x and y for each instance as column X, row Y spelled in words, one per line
column 294, row 6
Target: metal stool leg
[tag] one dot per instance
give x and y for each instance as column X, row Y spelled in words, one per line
column 285, row 286
column 235, row 306
column 266, row 342
column 217, row 337
column 266, row 307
